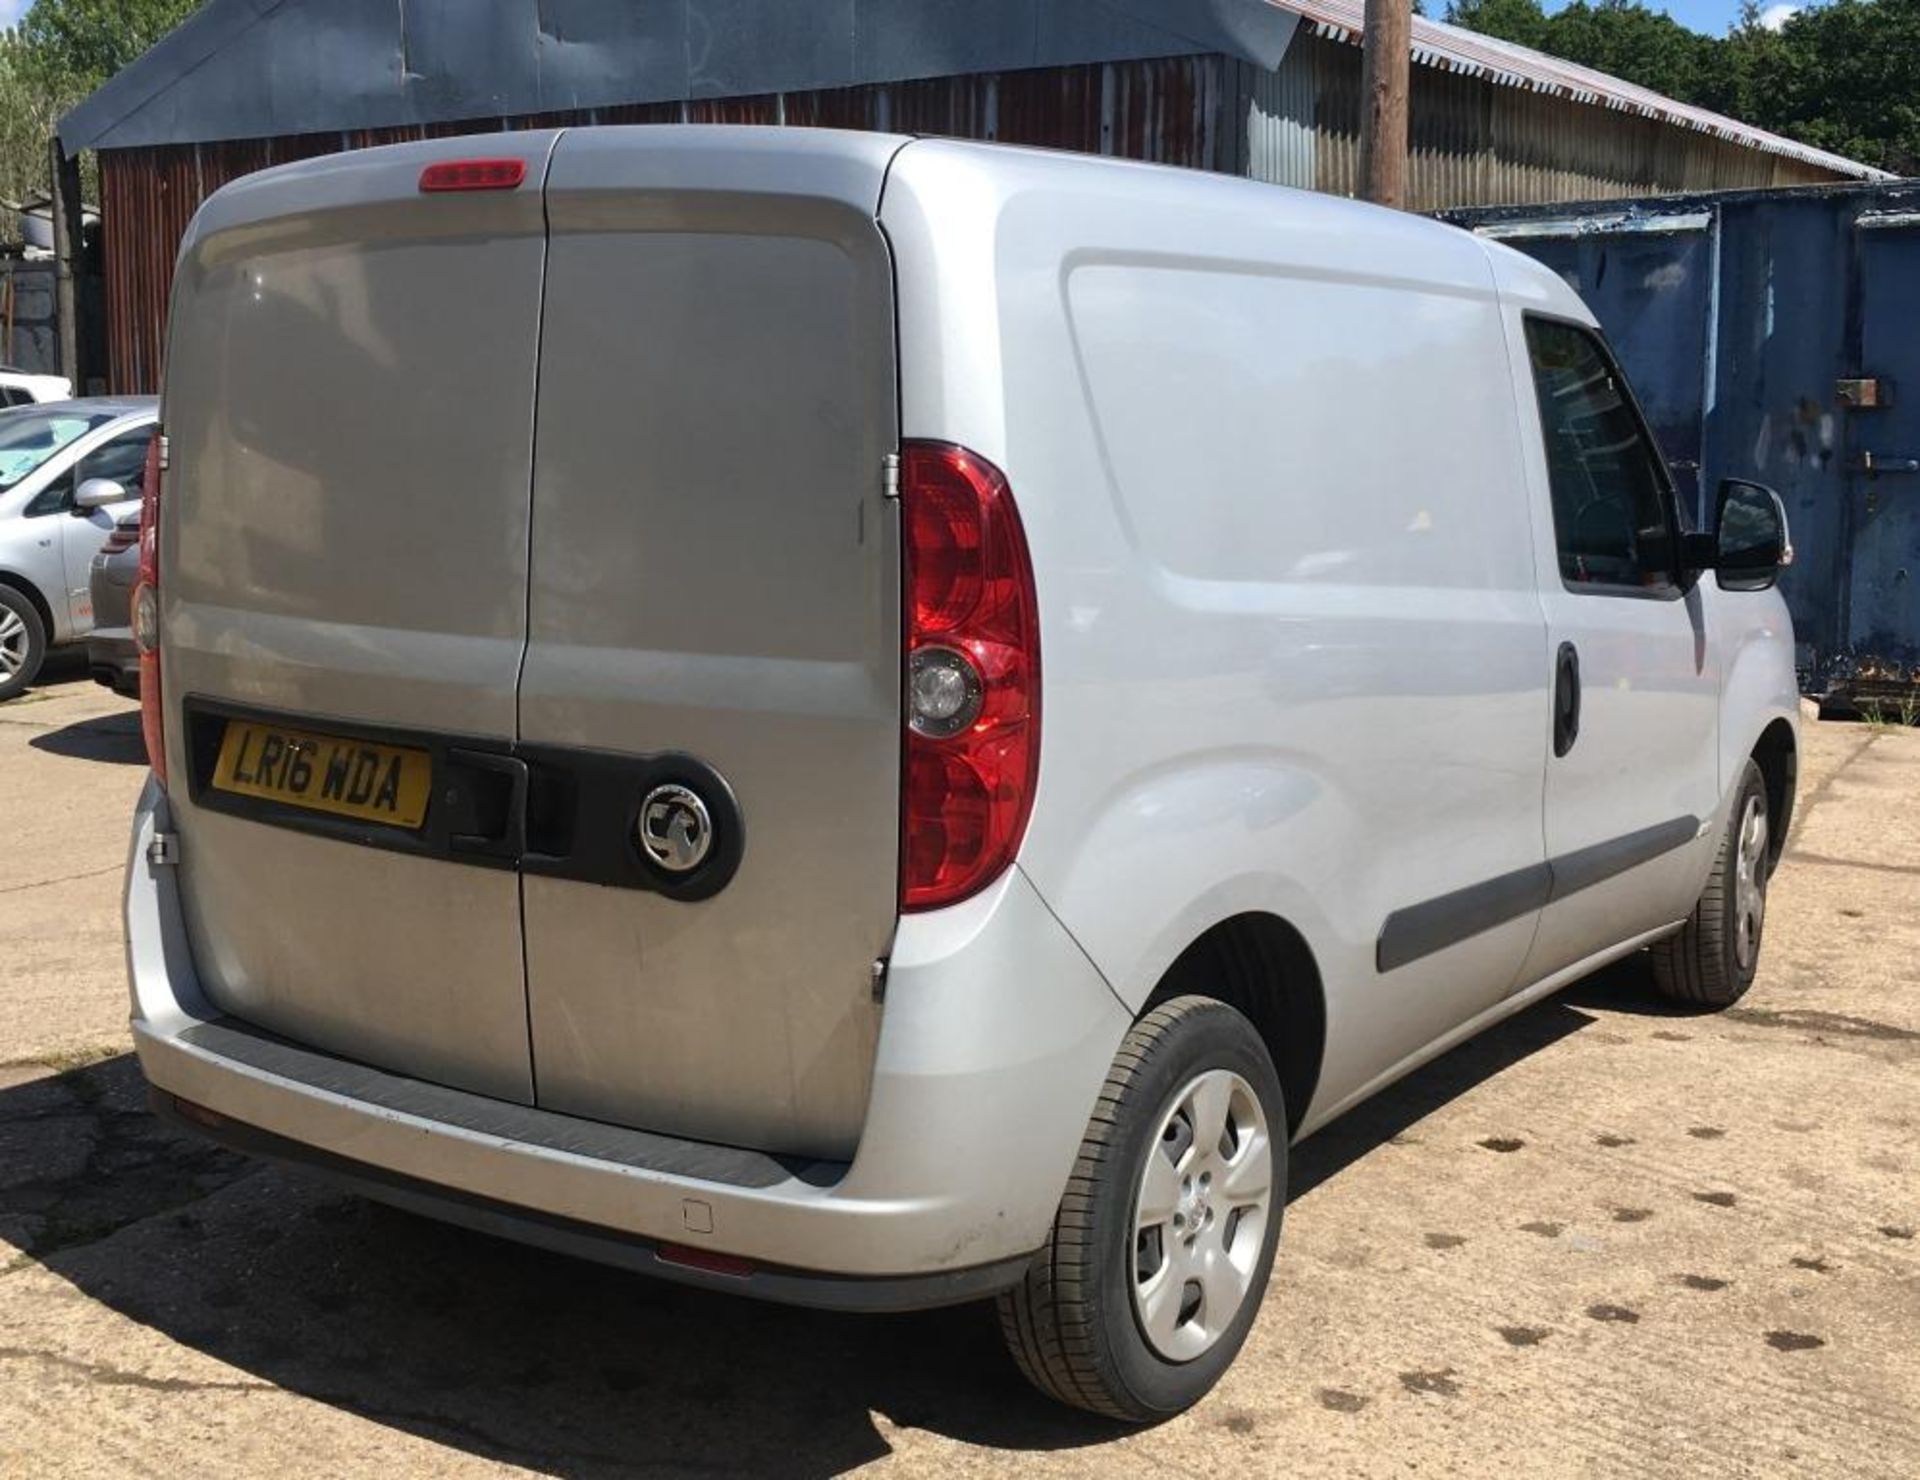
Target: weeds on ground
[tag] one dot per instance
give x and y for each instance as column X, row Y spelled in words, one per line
column 1901, row 716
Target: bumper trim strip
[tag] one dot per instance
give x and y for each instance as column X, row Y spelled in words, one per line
column 730, row 1166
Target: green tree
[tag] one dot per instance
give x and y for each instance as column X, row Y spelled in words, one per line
column 61, row 51
column 87, row 41
column 1843, row 76
column 1523, row 21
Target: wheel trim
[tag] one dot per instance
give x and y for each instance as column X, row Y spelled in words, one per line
column 1750, row 882
column 1200, row 1214
column 13, row 643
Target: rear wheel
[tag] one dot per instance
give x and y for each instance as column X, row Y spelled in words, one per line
column 1162, row 1247
column 23, row 642
column 1712, row 960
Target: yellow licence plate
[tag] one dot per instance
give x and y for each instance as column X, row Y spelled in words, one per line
column 324, row 773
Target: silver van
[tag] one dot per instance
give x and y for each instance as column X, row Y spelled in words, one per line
column 876, row 722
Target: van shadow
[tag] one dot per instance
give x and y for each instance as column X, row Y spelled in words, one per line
column 113, row 738
column 516, row 1355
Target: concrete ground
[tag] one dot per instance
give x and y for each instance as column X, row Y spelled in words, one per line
column 1608, row 1238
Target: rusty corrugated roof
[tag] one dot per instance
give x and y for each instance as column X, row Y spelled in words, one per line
column 1451, row 49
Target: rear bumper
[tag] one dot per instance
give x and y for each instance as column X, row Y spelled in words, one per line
column 996, row 1037
column 114, row 661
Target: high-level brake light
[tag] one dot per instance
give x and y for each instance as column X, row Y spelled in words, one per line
column 473, row 174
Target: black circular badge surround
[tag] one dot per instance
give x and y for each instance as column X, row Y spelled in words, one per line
column 727, row 847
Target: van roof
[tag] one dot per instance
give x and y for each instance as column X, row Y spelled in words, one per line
column 1415, row 243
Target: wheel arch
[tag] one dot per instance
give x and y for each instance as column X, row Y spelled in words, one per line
column 1259, row 964
column 17, row 582
column 1777, row 754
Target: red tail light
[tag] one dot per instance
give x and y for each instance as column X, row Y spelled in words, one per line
column 145, row 613
column 973, row 676
column 125, row 535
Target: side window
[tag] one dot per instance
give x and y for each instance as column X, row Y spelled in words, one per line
column 1611, row 513
column 124, row 460
column 55, row 498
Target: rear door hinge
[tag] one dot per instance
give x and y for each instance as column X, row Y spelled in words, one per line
column 163, row 850
column 164, row 451
column 890, row 475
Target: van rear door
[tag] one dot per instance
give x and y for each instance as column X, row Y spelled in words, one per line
column 349, row 404
column 714, row 650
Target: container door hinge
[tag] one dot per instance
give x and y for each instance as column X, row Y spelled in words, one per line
column 877, row 974
column 890, row 475
column 163, row 851
column 164, row 451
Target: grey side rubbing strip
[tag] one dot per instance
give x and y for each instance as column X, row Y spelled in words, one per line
column 1421, row 929
column 1434, row 924
column 730, row 1165
column 1585, row 867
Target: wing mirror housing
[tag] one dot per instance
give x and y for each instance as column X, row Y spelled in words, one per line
column 1750, row 544
column 97, row 493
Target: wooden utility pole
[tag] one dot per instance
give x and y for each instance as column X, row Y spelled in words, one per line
column 1385, row 59
column 64, row 206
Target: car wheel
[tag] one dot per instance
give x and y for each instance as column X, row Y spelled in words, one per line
column 1710, row 962
column 23, row 643
column 1159, row 1255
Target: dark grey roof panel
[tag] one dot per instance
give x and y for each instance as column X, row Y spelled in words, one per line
column 253, row 68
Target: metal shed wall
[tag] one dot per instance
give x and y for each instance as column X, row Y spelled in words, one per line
column 1476, row 142
column 1167, row 111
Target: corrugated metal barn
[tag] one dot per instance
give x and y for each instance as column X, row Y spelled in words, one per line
column 1266, row 88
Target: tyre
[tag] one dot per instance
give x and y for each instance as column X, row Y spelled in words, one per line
column 1159, row 1255
column 1711, row 961
column 23, row 642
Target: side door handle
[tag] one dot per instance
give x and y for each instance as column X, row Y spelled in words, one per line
column 1566, row 699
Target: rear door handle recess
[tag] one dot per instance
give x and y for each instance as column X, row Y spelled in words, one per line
column 1566, row 699
column 496, row 802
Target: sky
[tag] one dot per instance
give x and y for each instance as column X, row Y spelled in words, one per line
column 1710, row 16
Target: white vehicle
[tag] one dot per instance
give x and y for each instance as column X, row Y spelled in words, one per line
column 941, row 707
column 24, row 388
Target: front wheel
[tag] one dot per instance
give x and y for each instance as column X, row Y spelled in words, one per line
column 23, row 643
column 1160, row 1252
column 1711, row 961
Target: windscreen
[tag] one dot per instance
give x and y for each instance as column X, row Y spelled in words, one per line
column 29, row 437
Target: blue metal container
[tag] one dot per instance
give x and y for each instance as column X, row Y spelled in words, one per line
column 1775, row 335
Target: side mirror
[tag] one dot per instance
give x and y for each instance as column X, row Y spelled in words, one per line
column 1750, row 544
column 97, row 493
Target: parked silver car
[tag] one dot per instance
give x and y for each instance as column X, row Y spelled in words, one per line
column 69, row 470
column 112, row 656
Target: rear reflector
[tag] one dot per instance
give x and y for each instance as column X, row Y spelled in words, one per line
column 473, row 174
column 704, row 1259
column 200, row 1115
